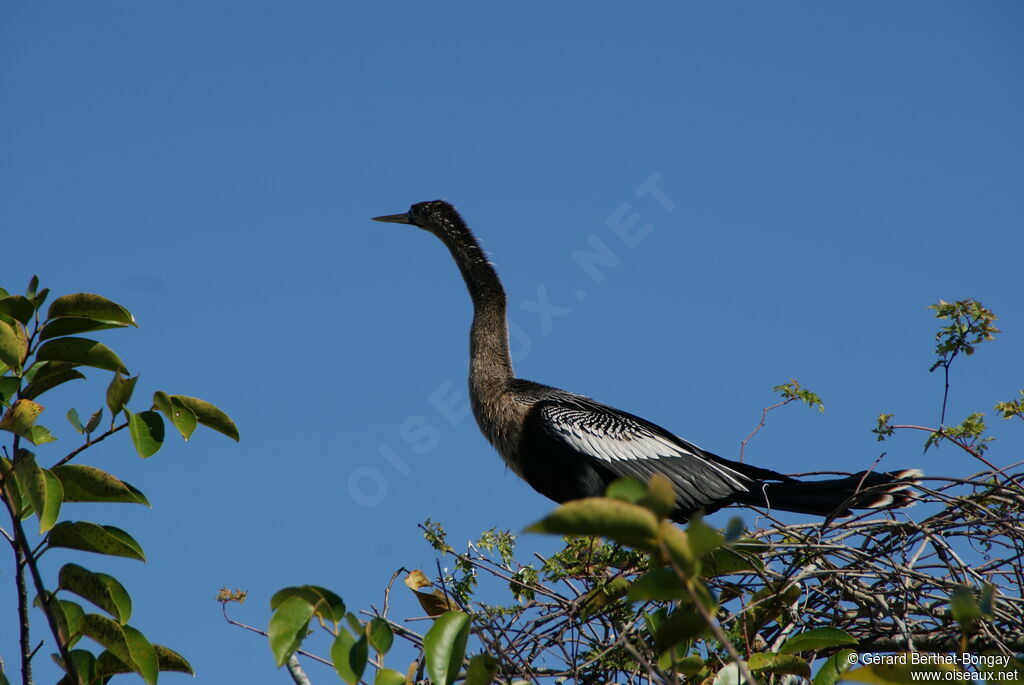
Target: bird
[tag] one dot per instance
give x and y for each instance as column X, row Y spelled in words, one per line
column 568, row 446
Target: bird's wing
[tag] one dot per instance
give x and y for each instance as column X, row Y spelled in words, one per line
column 630, row 446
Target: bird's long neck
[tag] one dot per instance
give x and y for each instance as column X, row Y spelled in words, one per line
column 497, row 411
column 490, row 361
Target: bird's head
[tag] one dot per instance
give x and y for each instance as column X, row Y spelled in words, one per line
column 436, row 216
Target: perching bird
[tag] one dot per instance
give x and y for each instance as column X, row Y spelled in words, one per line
column 568, row 446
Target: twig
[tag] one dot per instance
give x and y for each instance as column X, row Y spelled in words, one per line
column 89, row 443
column 761, row 423
column 310, row 655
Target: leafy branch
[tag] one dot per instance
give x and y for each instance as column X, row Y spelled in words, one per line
column 40, row 352
column 790, row 392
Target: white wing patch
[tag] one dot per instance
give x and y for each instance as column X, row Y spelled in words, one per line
column 614, row 438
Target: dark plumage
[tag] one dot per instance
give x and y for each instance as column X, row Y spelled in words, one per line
column 567, row 446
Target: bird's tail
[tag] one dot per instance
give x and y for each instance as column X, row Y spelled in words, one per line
column 837, row 496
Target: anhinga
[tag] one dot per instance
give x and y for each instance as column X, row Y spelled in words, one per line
column 568, row 446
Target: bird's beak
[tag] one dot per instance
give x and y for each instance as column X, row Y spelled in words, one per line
column 394, row 218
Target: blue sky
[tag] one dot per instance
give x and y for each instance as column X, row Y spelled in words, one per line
column 827, row 172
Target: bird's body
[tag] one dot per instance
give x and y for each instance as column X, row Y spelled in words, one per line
column 568, row 446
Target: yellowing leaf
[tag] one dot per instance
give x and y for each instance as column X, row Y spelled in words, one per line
column 20, row 417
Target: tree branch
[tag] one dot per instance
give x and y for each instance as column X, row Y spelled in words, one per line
column 89, row 443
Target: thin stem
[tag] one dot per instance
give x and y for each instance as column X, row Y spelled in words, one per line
column 21, row 541
column 962, row 445
column 314, row 657
column 761, row 424
column 24, row 636
column 716, row 628
column 89, row 443
column 945, row 392
column 387, row 591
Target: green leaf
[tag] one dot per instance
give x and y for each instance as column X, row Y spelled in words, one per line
column 444, row 645
column 75, row 421
column 9, row 386
column 42, row 488
column 481, row 671
column 627, row 489
column 125, row 644
column 119, row 392
column 39, row 298
column 101, row 589
column 603, row 596
column 725, row 561
column 108, row 665
column 767, row 604
column 84, row 663
column 72, row 624
column 147, row 431
column 209, row 415
column 177, row 412
column 687, row 665
column 167, row 660
column 349, row 656
column 734, row 529
column 962, row 604
column 661, row 584
column 54, row 607
column 354, row 623
column 54, row 498
column 20, row 417
column 17, row 307
column 763, row 662
column 682, row 624
column 143, row 655
column 162, row 401
column 48, row 375
column 91, row 537
column 11, row 491
column 703, row 538
column 661, row 496
column 83, row 483
column 11, row 350
column 94, row 420
column 380, row 635
column 170, row 660
column 833, row 668
column 325, row 603
column 90, row 306
column 82, row 352
column 31, row 480
column 817, row 638
column 183, row 418
column 288, row 627
column 108, row 634
column 58, row 328
column 628, row 524
column 678, row 545
column 40, row 435
column 389, row 676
